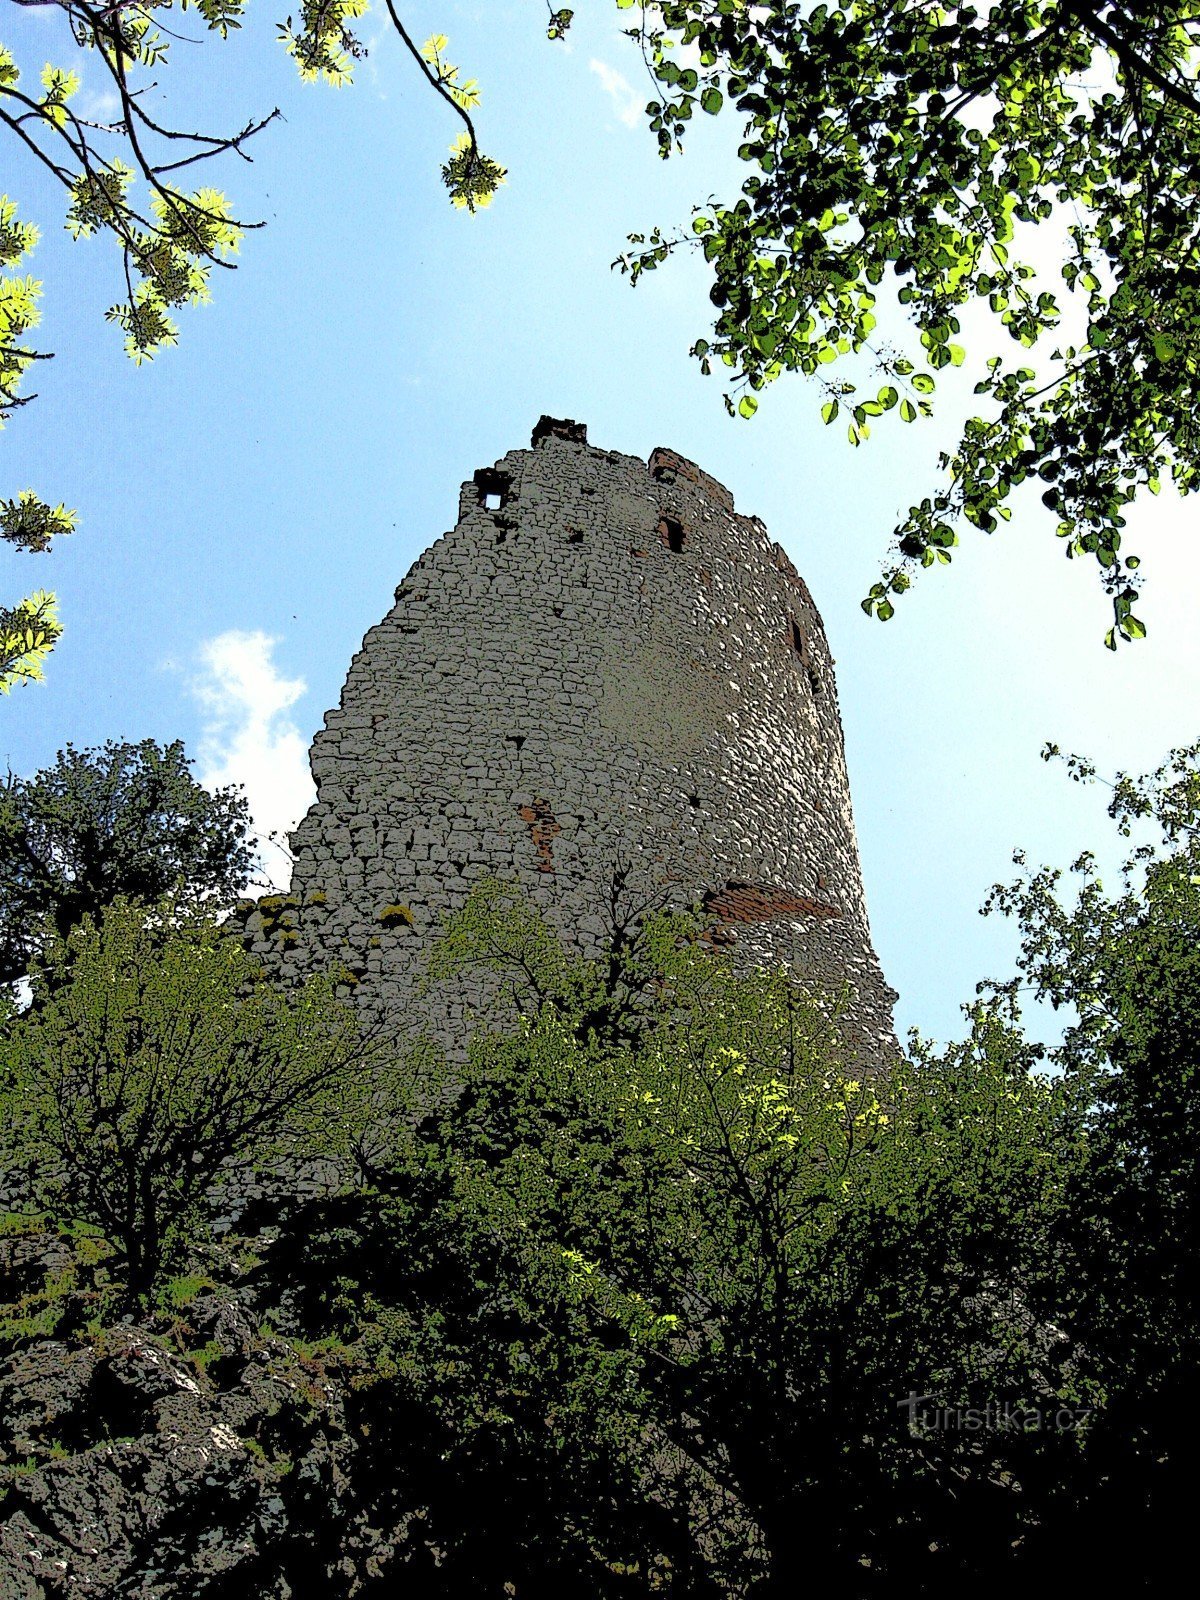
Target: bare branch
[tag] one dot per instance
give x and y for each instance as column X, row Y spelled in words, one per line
column 433, row 78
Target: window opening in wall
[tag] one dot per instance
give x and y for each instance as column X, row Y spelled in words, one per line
column 800, row 646
column 672, row 534
column 494, row 488
column 575, row 536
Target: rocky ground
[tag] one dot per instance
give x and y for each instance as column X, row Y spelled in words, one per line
column 192, row 1453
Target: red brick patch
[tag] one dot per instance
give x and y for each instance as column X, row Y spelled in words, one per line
column 542, row 829
column 758, row 902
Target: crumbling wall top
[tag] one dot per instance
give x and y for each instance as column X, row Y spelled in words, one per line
column 668, row 464
column 601, row 665
column 558, row 428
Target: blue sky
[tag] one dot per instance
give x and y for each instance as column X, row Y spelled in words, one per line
column 250, row 500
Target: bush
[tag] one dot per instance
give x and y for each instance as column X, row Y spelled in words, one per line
column 652, row 1280
column 155, row 1063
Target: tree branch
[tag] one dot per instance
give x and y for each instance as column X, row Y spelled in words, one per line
column 433, row 78
column 1129, row 57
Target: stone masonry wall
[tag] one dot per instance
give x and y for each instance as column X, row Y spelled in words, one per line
column 603, row 665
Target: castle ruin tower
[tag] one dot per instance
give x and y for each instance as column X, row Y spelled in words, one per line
column 603, row 666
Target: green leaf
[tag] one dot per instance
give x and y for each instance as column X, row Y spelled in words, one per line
column 863, row 179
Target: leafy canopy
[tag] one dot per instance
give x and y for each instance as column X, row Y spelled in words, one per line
column 920, row 154
column 664, row 1188
column 156, row 1061
column 674, row 1167
column 28, row 631
column 130, row 180
column 651, row 1292
column 121, row 819
column 29, row 628
column 120, row 177
column 1124, row 958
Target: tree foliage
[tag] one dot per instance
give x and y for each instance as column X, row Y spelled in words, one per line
column 156, row 1062
column 29, row 628
column 1125, row 961
column 121, row 178
column 930, row 1325
column 920, row 154
column 121, row 819
column 28, row 631
column 656, row 1211
column 131, row 180
column 653, row 1292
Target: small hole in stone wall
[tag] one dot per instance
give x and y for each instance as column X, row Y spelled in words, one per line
column 694, row 801
column 797, row 639
column 575, row 536
column 501, row 536
column 558, row 611
column 493, row 488
column 516, row 738
column 672, row 534
column 664, row 474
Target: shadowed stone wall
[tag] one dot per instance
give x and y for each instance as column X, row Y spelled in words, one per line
column 603, row 666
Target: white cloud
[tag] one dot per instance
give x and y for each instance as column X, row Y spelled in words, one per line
column 248, row 738
column 626, row 102
column 377, row 42
column 102, row 107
